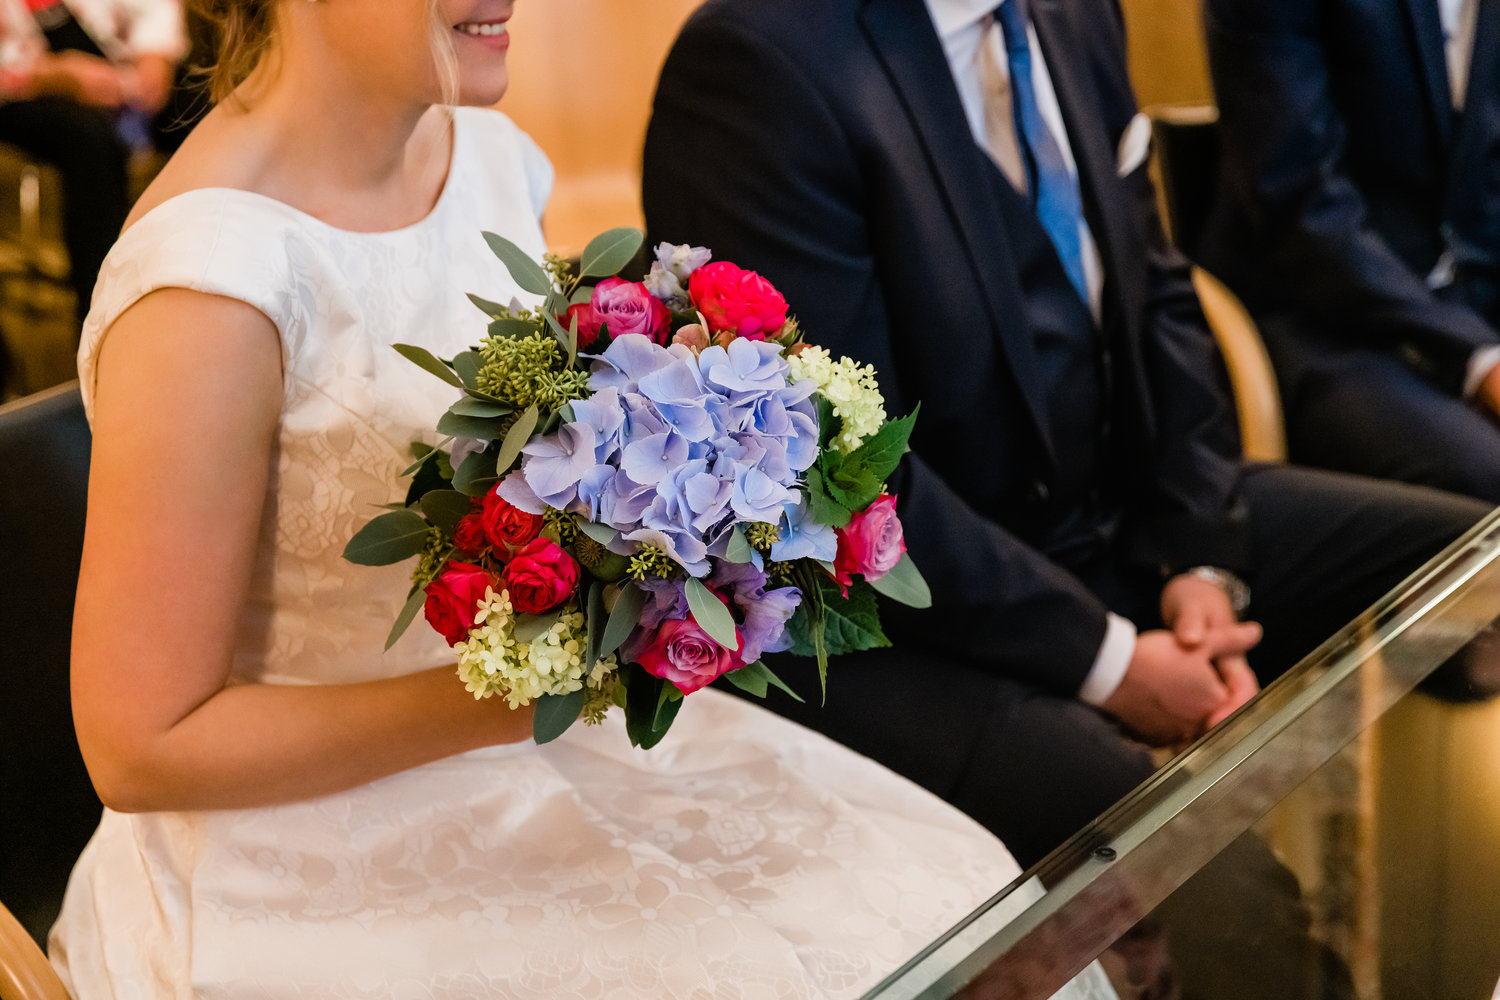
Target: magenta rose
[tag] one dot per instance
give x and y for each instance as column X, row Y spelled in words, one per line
column 623, row 306
column 685, row 655
column 737, row 301
column 507, row 527
column 871, row 544
column 453, row 600
column 540, row 577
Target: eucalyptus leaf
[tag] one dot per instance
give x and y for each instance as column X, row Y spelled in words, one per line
column 515, row 439
column 429, row 455
column 623, row 617
column 711, row 614
column 512, row 327
column 554, row 713
column 738, row 550
column 414, row 602
column 487, row 307
column 601, row 533
column 475, row 474
column 472, row 406
column 459, row 425
column 904, row 583
column 581, row 294
column 527, row 273
column 425, row 359
column 595, row 621
column 528, row 628
column 388, row 539
column 444, row 508
column 430, row 476
column 467, row 366
column 611, row 250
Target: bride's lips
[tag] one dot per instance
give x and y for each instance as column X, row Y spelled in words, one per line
column 491, row 34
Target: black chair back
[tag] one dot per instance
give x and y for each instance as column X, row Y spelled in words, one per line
column 47, row 805
column 1186, row 137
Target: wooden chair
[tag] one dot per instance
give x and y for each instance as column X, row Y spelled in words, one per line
column 48, row 808
column 1187, row 151
column 25, row 973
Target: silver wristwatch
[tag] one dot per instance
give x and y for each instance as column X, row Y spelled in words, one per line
column 1234, row 588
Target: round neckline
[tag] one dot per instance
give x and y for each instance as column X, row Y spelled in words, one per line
column 439, row 206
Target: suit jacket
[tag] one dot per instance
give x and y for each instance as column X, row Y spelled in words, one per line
column 823, row 144
column 1346, row 176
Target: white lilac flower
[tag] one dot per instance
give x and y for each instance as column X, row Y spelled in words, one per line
column 849, row 387
column 492, row 662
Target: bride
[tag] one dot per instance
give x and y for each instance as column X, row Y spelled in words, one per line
column 290, row 811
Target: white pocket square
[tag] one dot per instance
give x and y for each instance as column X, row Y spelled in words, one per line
column 1135, row 143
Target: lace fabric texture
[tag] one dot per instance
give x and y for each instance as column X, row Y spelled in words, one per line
column 744, row 857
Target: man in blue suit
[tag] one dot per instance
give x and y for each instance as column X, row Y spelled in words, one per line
column 956, row 193
column 1359, row 218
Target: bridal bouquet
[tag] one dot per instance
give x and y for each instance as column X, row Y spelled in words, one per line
column 642, row 487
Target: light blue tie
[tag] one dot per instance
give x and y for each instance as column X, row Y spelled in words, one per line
column 1054, row 194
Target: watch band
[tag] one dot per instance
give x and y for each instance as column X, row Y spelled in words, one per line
column 1234, row 588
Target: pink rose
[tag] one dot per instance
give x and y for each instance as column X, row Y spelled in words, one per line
column 623, row 306
column 739, row 301
column 685, row 655
column 453, row 600
column 507, row 527
column 540, row 577
column 871, row 544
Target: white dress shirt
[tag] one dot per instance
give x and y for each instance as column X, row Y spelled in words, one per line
column 964, row 27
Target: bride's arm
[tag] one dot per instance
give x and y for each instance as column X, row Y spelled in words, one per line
column 189, row 392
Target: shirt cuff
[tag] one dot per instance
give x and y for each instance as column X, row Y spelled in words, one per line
column 1111, row 662
column 1480, row 363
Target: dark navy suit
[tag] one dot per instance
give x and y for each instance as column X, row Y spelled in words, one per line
column 1347, row 179
column 1059, row 468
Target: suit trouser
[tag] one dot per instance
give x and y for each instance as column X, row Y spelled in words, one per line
column 1034, row 768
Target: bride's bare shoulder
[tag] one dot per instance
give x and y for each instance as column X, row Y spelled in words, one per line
column 224, row 150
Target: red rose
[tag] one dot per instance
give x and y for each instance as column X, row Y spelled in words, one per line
column 507, row 527
column 469, row 537
column 623, row 306
column 682, row 653
column 453, row 600
column 738, row 301
column 540, row 577
column 871, row 544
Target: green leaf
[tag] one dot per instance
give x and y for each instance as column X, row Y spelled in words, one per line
column 829, row 423
column 475, row 474
column 738, row 550
column 667, row 704
column 423, row 454
column 851, row 623
column 642, row 697
column 424, row 358
column 512, row 327
column 881, row 452
column 473, row 406
column 388, row 539
column 458, row 425
column 486, row 306
column 581, row 294
column 755, row 678
column 554, row 713
column 623, row 617
column 430, row 476
column 515, row 439
column 601, row 533
column 595, row 622
column 611, row 250
column 529, row 627
column 526, row 272
column 711, row 614
column 850, row 483
column 824, row 508
column 414, row 602
column 904, row 583
column 444, row 508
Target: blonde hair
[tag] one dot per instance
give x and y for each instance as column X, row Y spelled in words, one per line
column 246, row 30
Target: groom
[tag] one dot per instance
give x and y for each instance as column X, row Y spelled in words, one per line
column 957, row 194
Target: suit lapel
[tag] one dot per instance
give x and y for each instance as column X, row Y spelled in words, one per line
column 1427, row 34
column 1481, row 118
column 906, row 44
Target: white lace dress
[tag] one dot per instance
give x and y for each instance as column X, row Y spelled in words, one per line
column 743, row 857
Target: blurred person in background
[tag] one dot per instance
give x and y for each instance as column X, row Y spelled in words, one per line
column 1358, row 217
column 81, row 85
